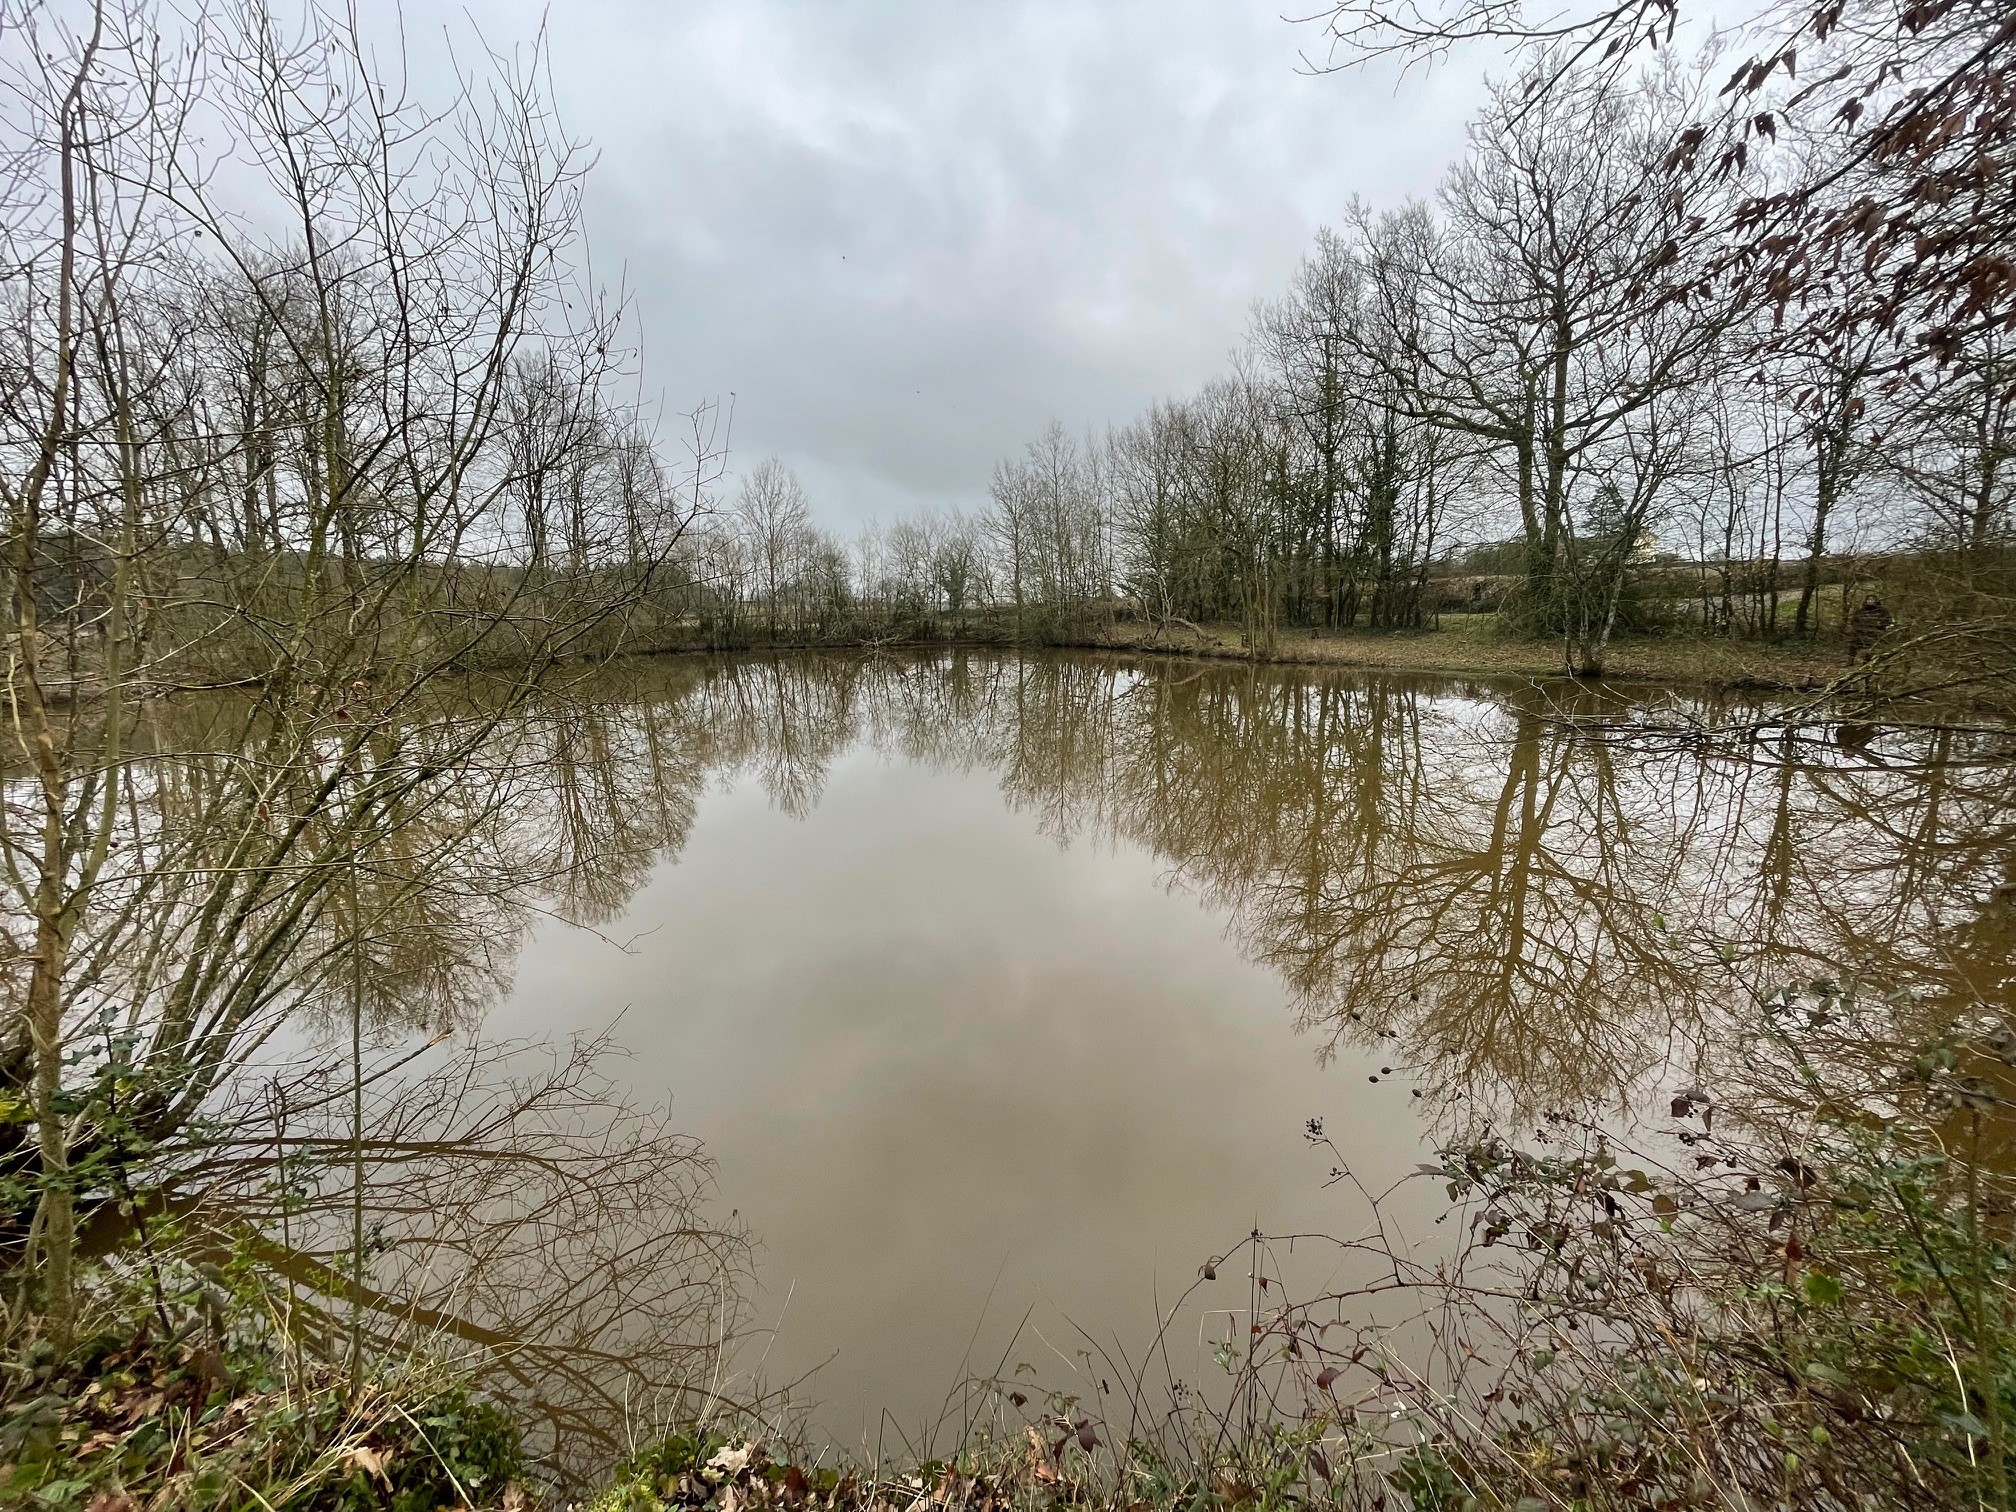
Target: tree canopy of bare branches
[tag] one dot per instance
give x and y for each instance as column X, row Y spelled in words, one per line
column 304, row 399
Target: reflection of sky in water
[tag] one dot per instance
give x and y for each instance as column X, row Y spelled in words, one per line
column 980, row 979
column 946, row 1066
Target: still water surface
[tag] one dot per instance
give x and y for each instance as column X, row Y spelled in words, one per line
column 1001, row 990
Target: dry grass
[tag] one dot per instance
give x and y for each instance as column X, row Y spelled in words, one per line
column 1472, row 644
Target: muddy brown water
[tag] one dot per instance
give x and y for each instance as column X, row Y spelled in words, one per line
column 1002, row 990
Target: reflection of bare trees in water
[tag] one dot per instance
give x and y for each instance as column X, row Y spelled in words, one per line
column 1536, row 896
column 1530, row 902
column 1536, row 900
column 411, row 1185
column 1524, row 896
column 519, row 1218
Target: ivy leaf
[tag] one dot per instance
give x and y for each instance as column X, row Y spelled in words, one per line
column 1964, row 1422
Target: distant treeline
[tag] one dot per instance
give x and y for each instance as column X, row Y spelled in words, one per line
column 1544, row 374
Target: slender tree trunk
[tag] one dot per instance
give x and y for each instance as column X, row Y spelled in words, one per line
column 56, row 1216
column 1805, row 622
column 56, row 1212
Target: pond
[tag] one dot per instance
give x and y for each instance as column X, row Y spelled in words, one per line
column 1002, row 991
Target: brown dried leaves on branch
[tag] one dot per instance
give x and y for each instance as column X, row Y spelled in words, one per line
column 1879, row 191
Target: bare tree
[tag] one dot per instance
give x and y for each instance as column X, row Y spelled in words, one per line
column 1955, row 446
column 776, row 521
column 257, row 422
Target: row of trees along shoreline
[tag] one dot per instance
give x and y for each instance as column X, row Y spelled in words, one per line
column 1529, row 395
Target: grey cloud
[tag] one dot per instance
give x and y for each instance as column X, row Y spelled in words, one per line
column 907, row 234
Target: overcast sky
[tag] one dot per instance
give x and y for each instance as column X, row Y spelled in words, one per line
column 905, row 234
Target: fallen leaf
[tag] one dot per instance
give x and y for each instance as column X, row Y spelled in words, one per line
column 370, row 1461
column 732, row 1461
column 1039, row 1461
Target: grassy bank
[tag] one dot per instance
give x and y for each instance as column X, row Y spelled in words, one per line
column 1473, row 644
column 1460, row 645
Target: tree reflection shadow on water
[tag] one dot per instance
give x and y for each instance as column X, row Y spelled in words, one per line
column 1538, row 890
column 1531, row 896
